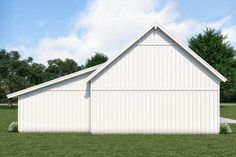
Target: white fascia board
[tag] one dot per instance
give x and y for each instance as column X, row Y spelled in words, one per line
column 156, row 26
column 81, row 72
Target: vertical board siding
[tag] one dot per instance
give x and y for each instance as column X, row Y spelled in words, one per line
column 154, row 112
column 54, row 111
column 61, row 107
column 159, row 64
column 155, row 87
column 155, row 67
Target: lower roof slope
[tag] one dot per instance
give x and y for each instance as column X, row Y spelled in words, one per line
column 60, row 79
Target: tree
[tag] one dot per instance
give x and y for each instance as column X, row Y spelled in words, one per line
column 98, row 58
column 214, row 48
column 57, row 68
column 13, row 72
column 36, row 72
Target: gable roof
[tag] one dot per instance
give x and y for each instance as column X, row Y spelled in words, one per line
column 60, row 79
column 157, row 26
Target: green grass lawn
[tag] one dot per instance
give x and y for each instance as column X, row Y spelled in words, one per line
column 75, row 144
column 228, row 110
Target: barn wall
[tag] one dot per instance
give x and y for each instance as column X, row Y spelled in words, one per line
column 155, row 87
column 155, row 112
column 62, row 107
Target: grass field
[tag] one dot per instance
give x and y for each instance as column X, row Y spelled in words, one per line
column 75, row 144
column 228, row 110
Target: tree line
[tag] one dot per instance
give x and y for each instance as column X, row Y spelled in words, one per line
column 17, row 73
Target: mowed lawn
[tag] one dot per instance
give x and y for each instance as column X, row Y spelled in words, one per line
column 76, row 144
column 228, row 110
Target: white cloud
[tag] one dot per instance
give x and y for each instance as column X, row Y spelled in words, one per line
column 24, row 51
column 62, row 47
column 231, row 33
column 188, row 27
column 107, row 26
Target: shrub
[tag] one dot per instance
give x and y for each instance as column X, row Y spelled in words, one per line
column 225, row 129
column 13, row 127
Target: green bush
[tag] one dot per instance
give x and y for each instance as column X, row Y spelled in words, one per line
column 13, row 127
column 225, row 129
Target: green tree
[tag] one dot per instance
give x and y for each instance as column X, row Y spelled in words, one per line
column 36, row 72
column 214, row 48
column 98, row 58
column 13, row 72
column 57, row 68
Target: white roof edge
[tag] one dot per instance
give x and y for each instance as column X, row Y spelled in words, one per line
column 155, row 26
column 12, row 95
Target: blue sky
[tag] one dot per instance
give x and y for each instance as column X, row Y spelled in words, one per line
column 76, row 29
column 30, row 20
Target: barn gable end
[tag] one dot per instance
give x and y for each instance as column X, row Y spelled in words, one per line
column 155, row 86
column 155, row 61
column 164, row 38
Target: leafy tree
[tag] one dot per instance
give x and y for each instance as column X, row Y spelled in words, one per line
column 57, row 68
column 13, row 72
column 98, row 58
column 36, row 72
column 3, row 97
column 214, row 48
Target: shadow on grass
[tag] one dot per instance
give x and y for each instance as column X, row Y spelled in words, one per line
column 8, row 108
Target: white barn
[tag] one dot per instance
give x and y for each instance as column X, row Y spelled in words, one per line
column 154, row 85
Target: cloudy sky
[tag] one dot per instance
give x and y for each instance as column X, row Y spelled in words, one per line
column 76, row 29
